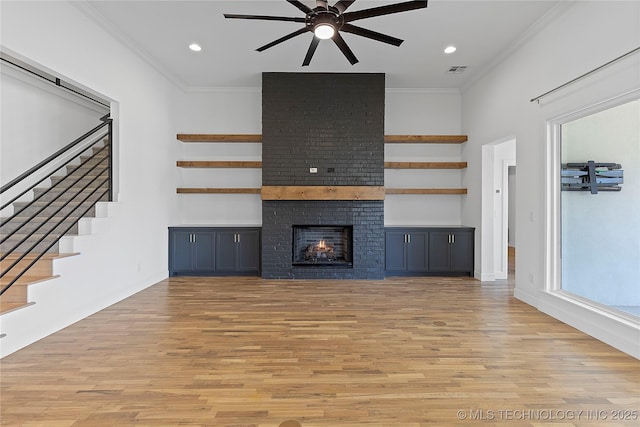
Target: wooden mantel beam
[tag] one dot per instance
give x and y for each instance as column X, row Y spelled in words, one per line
column 300, row 192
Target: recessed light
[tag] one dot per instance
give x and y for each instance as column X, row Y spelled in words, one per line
column 449, row 49
column 195, row 47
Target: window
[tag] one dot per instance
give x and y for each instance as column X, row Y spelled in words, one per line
column 599, row 229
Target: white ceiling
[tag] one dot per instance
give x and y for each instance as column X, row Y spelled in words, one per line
column 160, row 31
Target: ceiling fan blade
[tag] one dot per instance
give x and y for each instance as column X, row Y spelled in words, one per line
column 342, row 5
column 371, row 34
column 303, row 7
column 322, row 3
column 339, row 41
column 384, row 10
column 282, row 39
column 264, row 18
column 311, row 51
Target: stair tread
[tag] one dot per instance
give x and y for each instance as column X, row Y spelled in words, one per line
column 14, row 256
column 26, row 279
column 6, row 307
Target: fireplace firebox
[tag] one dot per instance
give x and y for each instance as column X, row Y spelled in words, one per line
column 323, row 245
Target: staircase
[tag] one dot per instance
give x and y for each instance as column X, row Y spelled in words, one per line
column 29, row 237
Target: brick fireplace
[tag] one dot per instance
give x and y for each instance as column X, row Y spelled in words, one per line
column 323, row 158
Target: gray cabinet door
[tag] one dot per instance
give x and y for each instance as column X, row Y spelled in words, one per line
column 395, row 259
column 180, row 252
column 203, row 258
column 417, row 249
column 226, row 251
column 439, row 257
column 462, row 251
column 248, row 251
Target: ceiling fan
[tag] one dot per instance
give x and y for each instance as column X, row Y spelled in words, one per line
column 326, row 22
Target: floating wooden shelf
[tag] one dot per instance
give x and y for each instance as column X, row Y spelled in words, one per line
column 425, row 139
column 218, row 191
column 425, row 191
column 319, row 192
column 221, row 137
column 401, row 139
column 425, row 165
column 217, row 164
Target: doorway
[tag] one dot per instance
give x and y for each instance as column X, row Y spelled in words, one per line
column 497, row 159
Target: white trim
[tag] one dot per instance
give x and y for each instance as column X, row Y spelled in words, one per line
column 534, row 29
column 432, row 90
column 486, row 277
column 494, row 225
column 253, row 89
column 607, row 324
column 601, row 324
column 110, row 28
column 222, row 89
column 7, row 70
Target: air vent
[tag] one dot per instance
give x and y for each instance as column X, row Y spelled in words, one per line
column 456, row 69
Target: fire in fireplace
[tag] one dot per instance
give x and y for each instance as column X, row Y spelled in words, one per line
column 322, row 245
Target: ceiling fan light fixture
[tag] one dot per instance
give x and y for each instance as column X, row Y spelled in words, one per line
column 329, row 22
column 324, row 31
column 450, row 49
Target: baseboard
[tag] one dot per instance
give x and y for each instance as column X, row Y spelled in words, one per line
column 617, row 332
column 486, row 277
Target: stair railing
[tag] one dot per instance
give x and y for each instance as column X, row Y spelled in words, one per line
column 84, row 198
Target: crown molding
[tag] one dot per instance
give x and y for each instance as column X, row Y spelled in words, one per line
column 559, row 9
column 110, row 28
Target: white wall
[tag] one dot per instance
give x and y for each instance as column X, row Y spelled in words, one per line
column 498, row 106
column 131, row 252
column 434, row 112
column 233, row 111
column 422, row 112
column 38, row 119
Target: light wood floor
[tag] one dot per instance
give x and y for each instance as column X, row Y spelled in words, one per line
column 252, row 352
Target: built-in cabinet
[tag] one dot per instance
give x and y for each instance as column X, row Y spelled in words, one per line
column 429, row 251
column 214, row 251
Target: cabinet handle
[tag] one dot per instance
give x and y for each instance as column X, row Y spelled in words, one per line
column 238, row 241
column 408, row 238
column 453, row 238
column 449, row 238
